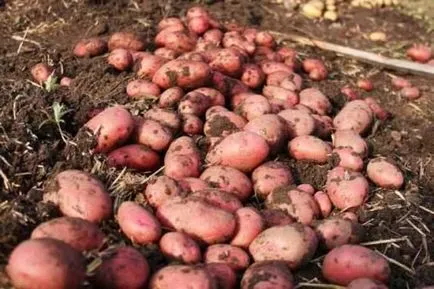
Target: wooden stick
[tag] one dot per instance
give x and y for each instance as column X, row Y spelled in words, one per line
column 372, row 58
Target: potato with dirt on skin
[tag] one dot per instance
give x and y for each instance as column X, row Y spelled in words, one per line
column 228, row 62
column 323, row 126
column 214, row 36
column 350, row 139
column 235, row 39
column 287, row 97
column 223, row 275
column 227, row 85
column 179, row 41
column 134, row 156
column 229, row 180
column 324, row 203
column 191, row 185
column 148, row 65
column 287, row 80
column 194, row 103
column 269, row 177
column 142, row 89
column 309, row 148
column 161, row 189
column 377, row 109
column 274, row 218
column 316, row 69
column 218, row 198
column 191, row 124
column 355, row 115
column 346, row 263
column 348, row 158
column 112, row 127
column 249, row 224
column 216, row 97
column 267, row 275
column 126, row 40
column 216, row 225
column 315, row 100
column 334, row 232
column 166, row 53
column 80, row 234
column 254, row 106
column 235, row 257
column 90, row 47
column 252, row 75
column 269, row 67
column 222, row 123
column 170, row 97
column 79, row 194
column 166, row 117
column 299, row 122
column 32, row 259
column 121, row 59
column 182, row 277
column 308, row 188
column 182, row 159
column 152, row 134
column 295, row 244
column 384, row 174
column 264, row 38
column 179, row 246
column 122, row 268
column 366, row 283
column 41, row 72
column 169, row 21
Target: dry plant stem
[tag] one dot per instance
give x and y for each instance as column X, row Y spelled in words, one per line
column 316, row 285
column 372, row 58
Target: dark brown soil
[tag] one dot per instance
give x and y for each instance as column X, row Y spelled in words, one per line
column 32, row 150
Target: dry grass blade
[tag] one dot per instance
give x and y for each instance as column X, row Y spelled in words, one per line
column 396, row 263
column 317, row 285
column 379, row 242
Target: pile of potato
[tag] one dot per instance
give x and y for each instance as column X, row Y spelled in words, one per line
column 237, row 89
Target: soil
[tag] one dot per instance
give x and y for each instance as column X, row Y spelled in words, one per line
column 32, row 149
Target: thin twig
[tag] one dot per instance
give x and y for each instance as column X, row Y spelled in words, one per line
column 5, row 179
column 379, row 242
column 316, row 285
column 21, row 43
column 400, row 265
column 19, row 38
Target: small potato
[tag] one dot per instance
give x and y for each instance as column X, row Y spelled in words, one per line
column 289, row 55
column 399, row 82
column 161, row 189
column 241, row 150
column 191, row 124
column 324, row 203
column 377, row 109
column 181, row 247
column 309, row 148
column 323, row 126
column 199, row 24
column 315, row 100
column 80, row 234
column 288, row 80
column 41, row 72
column 31, row 260
column 335, row 232
column 182, row 277
column 385, row 174
column 227, row 85
column 135, row 156
column 138, row 55
column 249, row 224
column 148, row 65
column 265, row 54
column 365, row 84
column 169, row 21
column 295, row 244
column 166, row 53
column 182, row 73
column 142, row 89
column 179, row 41
column 170, row 97
column 267, row 275
column 218, row 198
column 90, row 47
column 228, row 62
column 234, row 39
column 126, row 40
column 215, row 96
column 306, row 188
column 79, row 194
column 268, row 67
column 420, row 53
column 350, row 139
column 298, row 204
column 348, row 159
column 366, row 283
column 316, row 69
column 215, row 226
column 264, row 38
column 274, row 218
column 223, row 275
column 121, row 59
column 269, row 177
column 299, row 122
column 252, row 75
column 355, row 115
column 233, row 256
column 411, row 93
column 350, row 262
column 152, row 134
column 349, row 216
column 182, row 159
column 229, row 180
column 223, row 123
column 214, row 36
column 288, row 98
column 124, row 268
column 254, row 106
column 349, row 93
column 346, row 189
column 112, row 127
column 194, row 103
column 65, row 81
column 165, row 117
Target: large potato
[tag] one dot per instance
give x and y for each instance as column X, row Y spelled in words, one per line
column 233, row 256
column 198, row 219
column 270, row 176
column 80, row 234
column 148, row 65
column 241, row 150
column 315, row 100
column 45, row 263
column 355, row 115
column 229, row 180
column 350, row 139
column 79, row 194
column 183, row 73
column 350, row 262
column 182, row 277
column 309, row 148
column 182, row 159
column 126, row 40
column 299, row 122
column 384, row 174
column 267, row 275
column 218, row 198
column 134, row 156
column 181, row 247
column 335, row 232
column 223, row 275
column 222, row 123
column 249, row 224
column 111, row 127
column 254, row 106
column 228, row 62
column 160, row 189
column 151, row 133
column 294, row 244
column 166, row 117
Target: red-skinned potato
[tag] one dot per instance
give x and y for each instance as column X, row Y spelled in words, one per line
column 182, row 277
column 151, row 133
column 249, row 224
column 420, row 53
column 348, row 159
column 349, row 216
column 366, row 283
column 206, row 49
column 267, row 274
column 192, row 185
column 196, row 11
column 182, row 159
column 215, row 96
column 218, row 198
column 79, row 194
column 254, row 106
column 335, row 232
column 350, row 139
column 215, row 109
column 182, row 73
column 178, row 41
column 148, row 65
column 324, row 203
column 126, row 40
column 65, row 81
column 32, row 259
column 179, row 246
column 166, row 53
column 222, row 123
column 112, row 127
column 269, row 177
column 290, row 57
column 365, row 84
column 166, row 117
column 170, row 97
column 241, row 150
column 355, row 115
column 308, row 188
column 142, row 89
column 299, row 122
column 309, row 148
column 264, row 38
column 316, row 69
column 168, row 22
column 237, row 99
column 194, row 103
column 229, row 180
column 216, row 225
column 272, row 245
column 349, row 93
column 138, row 55
column 228, row 62
column 227, row 85
column 233, row 256
column 384, row 174
column 276, row 218
column 265, row 54
column 411, row 93
column 223, row 275
column 377, row 109
column 269, row 67
column 90, row 47
column 120, row 58
column 122, row 268
column 80, row 234
column 191, row 124
column 160, row 189
column 346, row 188
column 138, row 224
column 252, row 75
column 41, row 72
column 350, row 262
column 314, row 99
column 286, row 80
column 199, row 24
column 134, row 156
column 250, row 34
column 214, row 36
column 235, row 39
column 323, row 126
column 287, row 97
column 399, row 82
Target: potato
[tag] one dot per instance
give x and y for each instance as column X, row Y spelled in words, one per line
column 166, row 53
column 142, row 89
column 196, row 11
column 135, row 156
column 287, row 97
column 233, row 256
column 222, row 274
column 234, row 39
column 206, row 49
column 112, row 127
column 316, row 69
column 227, row 61
column 90, row 47
column 121, row 59
column 148, row 65
column 349, row 216
column 287, row 80
column 335, row 232
column 165, row 117
column 365, row 84
column 384, row 174
column 254, row 106
column 124, row 268
column 168, row 22
column 65, row 81
column 79, row 194
column 182, row 159
column 179, row 41
column 188, row 185
column 138, row 55
column 306, row 188
column 126, row 40
column 182, row 73
column 296, row 203
column 324, row 203
column 348, row 159
column 295, row 244
column 45, row 263
column 268, row 67
column 420, row 53
column 218, row 198
column 345, row 188
column 274, row 218
column 214, row 36
column 222, row 123
column 252, row 75
column 152, row 134
column 160, row 189
column 250, row 34
column 241, row 150
column 269, row 177
column 249, row 224
column 350, row 139
column 355, row 115
column 227, row 85
column 366, row 283
column 199, row 24
column 216, row 109
column 264, row 38
column 170, row 97
column 180, row 247
column 323, row 126
column 182, row 277
column 299, row 122
column 350, row 262
column 215, row 97
column 377, row 109
column 191, row 124
column 265, row 54
column 399, row 82
column 215, row 226
column 267, row 274
column 290, row 56
column 237, row 99
column 315, row 100
column 194, row 103
column 411, row 93
column 41, row 72
column 309, row 148
column 349, row 93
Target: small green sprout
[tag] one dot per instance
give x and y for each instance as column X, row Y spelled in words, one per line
column 59, row 111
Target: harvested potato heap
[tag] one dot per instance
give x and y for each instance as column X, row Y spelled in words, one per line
column 242, row 93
